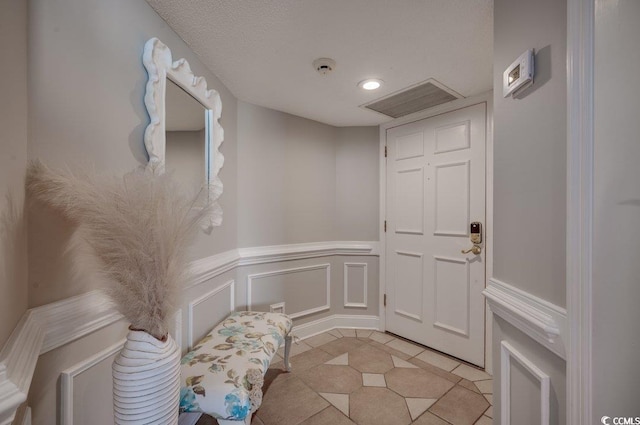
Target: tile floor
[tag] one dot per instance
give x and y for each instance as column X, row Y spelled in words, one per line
column 371, row 378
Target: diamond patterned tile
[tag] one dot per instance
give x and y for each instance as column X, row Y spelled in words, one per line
column 390, row 350
column 429, row 419
column 363, row 333
column 373, row 380
column 469, row 385
column 332, row 379
column 329, row 416
column 378, row 406
column 341, row 360
column 402, row 363
column 335, row 333
column 348, row 332
column 417, row 406
column 371, row 360
column 339, row 401
column 296, row 349
column 484, row 420
column 417, row 383
column 381, row 337
column 288, row 401
column 460, row 406
column 435, row 370
column 342, row 345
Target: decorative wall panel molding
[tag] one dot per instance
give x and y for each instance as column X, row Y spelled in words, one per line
column 48, row 327
column 343, row 321
column 348, row 303
column 507, row 354
column 67, row 376
column 324, row 305
column 207, row 268
column 541, row 320
column 193, row 304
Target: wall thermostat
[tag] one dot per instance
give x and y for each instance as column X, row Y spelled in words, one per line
column 518, row 74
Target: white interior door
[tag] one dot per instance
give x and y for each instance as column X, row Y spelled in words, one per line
column 435, row 189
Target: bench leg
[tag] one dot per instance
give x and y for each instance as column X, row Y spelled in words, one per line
column 287, row 350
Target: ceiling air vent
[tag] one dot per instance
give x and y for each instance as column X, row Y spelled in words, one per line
column 417, row 98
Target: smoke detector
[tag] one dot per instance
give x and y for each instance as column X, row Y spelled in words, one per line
column 324, row 65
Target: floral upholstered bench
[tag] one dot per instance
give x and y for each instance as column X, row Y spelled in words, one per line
column 223, row 375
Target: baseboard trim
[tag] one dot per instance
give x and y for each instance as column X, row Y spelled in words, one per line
column 541, row 320
column 309, row 329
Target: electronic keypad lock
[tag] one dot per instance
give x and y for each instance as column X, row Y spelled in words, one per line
column 475, row 234
column 475, row 229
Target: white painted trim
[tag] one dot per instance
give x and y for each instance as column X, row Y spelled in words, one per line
column 177, row 326
column 206, row 269
column 18, row 361
column 346, row 285
column 193, row 304
column 72, row 318
column 507, row 353
column 580, row 189
column 343, row 321
column 544, row 322
column 160, row 66
column 325, row 307
column 67, row 376
column 488, row 243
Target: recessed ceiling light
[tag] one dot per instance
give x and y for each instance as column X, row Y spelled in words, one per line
column 370, row 84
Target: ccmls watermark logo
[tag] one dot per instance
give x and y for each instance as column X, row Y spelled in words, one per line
column 620, row 420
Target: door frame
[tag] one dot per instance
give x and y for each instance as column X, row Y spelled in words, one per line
column 486, row 98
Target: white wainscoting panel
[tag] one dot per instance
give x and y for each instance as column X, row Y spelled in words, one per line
column 343, row 321
column 207, row 268
column 213, row 315
column 67, row 377
column 323, row 305
column 541, row 320
column 362, row 281
column 507, row 354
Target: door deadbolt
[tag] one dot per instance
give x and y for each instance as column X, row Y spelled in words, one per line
column 475, row 235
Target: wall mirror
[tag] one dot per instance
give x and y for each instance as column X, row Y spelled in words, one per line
column 184, row 134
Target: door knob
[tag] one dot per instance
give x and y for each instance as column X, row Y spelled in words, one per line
column 476, row 249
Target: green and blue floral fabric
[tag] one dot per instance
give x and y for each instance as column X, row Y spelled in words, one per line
column 214, row 373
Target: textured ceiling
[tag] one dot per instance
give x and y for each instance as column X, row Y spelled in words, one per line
column 263, row 50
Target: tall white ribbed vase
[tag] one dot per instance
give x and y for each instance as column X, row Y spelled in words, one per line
column 146, row 381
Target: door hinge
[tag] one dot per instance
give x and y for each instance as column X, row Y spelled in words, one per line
column 384, row 300
column 385, row 226
column 385, row 151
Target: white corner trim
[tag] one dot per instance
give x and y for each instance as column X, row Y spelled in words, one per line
column 580, row 189
column 177, row 328
column 18, row 361
column 75, row 317
column 507, row 353
column 344, row 321
column 207, row 268
column 193, row 304
column 67, row 376
column 324, row 307
column 346, row 285
column 541, row 320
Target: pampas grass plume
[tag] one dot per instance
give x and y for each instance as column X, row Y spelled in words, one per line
column 138, row 228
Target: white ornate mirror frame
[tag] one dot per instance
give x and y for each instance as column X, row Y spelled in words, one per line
column 160, row 66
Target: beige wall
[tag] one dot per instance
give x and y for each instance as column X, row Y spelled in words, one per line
column 616, row 233
column 530, row 193
column 86, row 89
column 357, row 188
column 304, row 181
column 530, row 150
column 13, row 160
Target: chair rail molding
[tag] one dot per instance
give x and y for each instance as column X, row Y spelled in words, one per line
column 18, row 361
column 541, row 320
